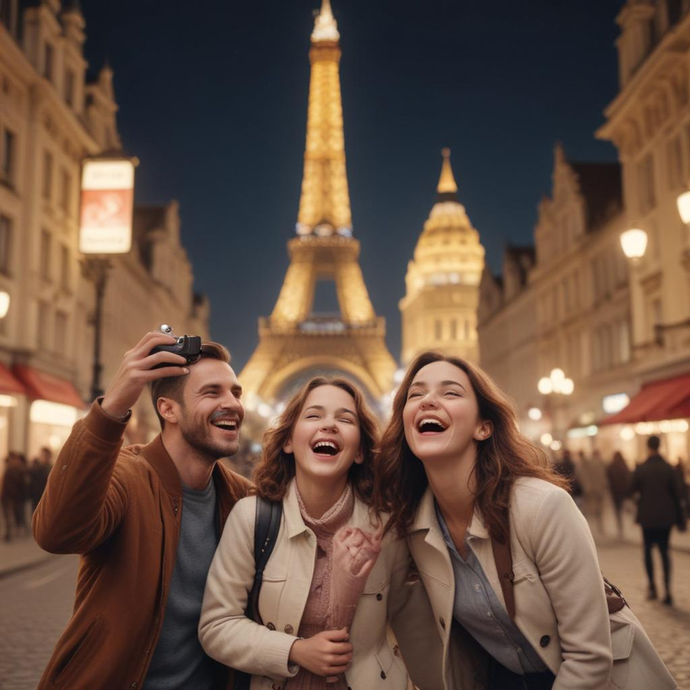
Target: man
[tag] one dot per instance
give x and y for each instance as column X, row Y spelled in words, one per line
column 145, row 520
column 658, row 509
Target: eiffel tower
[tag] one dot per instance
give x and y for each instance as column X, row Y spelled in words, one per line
column 294, row 342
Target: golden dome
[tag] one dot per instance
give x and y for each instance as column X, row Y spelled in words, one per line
column 448, row 251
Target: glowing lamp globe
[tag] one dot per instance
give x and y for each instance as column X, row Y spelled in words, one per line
column 4, row 304
column 545, row 386
column 634, row 243
column 683, row 202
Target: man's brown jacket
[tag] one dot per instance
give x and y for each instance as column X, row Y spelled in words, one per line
column 120, row 509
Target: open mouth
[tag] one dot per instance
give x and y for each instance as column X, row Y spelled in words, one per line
column 225, row 424
column 328, row 448
column 430, row 425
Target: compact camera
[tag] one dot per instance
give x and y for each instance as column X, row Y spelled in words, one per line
column 189, row 346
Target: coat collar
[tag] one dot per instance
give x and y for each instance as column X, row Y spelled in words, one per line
column 426, row 519
column 295, row 523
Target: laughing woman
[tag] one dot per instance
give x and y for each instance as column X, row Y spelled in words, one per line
column 459, row 480
column 332, row 584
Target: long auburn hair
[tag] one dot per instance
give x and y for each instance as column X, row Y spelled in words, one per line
column 504, row 456
column 276, row 468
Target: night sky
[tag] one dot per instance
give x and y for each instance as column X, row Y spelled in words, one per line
column 213, row 101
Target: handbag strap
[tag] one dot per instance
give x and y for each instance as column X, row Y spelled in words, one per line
column 504, row 566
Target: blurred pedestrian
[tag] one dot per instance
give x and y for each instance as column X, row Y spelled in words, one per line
column 566, row 468
column 594, row 485
column 12, row 495
column 659, row 508
column 684, row 486
column 38, row 472
column 22, row 501
column 619, row 477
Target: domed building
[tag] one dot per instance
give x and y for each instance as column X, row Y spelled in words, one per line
column 439, row 310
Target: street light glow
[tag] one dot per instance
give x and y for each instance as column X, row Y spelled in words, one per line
column 557, row 375
column 546, row 439
column 545, row 386
column 683, row 202
column 4, row 303
column 534, row 413
column 634, row 243
column 567, row 386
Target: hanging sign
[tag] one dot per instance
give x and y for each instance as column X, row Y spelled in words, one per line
column 107, row 204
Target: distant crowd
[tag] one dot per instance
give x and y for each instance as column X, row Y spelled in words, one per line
column 23, row 484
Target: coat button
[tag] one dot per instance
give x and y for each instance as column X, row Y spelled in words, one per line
column 289, row 629
column 442, row 621
column 396, row 650
column 383, row 675
column 270, row 626
column 379, row 596
column 134, row 684
column 544, row 641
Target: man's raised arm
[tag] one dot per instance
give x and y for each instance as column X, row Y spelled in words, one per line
column 84, row 500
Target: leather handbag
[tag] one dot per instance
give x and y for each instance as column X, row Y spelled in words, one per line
column 266, row 528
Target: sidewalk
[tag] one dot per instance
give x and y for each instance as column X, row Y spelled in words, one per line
column 20, row 554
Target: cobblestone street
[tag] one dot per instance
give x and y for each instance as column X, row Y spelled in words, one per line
column 36, row 603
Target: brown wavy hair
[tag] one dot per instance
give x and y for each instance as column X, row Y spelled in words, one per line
column 276, row 468
column 400, row 478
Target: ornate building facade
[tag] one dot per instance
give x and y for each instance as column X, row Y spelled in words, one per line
column 649, row 123
column 564, row 304
column 295, row 342
column 51, row 118
column 439, row 310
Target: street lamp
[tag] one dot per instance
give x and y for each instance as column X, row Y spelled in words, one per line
column 634, row 244
column 4, row 303
column 683, row 203
column 556, row 382
column 105, row 228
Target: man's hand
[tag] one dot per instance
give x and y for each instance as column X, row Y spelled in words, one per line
column 136, row 371
column 326, row 654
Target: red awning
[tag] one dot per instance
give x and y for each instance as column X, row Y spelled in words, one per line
column 40, row 385
column 657, row 400
column 9, row 382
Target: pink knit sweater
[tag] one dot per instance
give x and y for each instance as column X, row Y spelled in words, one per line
column 333, row 594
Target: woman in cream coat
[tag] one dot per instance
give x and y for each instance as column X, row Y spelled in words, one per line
column 453, row 466
column 315, row 485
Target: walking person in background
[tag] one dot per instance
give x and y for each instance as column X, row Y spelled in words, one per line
column 12, row 495
column 684, row 486
column 659, row 508
column 619, row 476
column 594, row 486
column 566, row 468
column 38, row 473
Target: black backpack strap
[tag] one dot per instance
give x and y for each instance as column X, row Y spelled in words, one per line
column 267, row 526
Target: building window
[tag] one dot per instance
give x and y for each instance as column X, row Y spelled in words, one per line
column 567, row 303
column 42, row 325
column 65, row 272
column 44, row 256
column 454, row 329
column 5, row 244
column 7, row 157
column 65, row 190
column 674, row 154
column 467, row 329
column 61, row 333
column 48, row 62
column 645, row 181
column 69, row 87
column 438, row 330
column 47, row 186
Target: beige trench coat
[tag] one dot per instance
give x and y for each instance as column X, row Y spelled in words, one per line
column 559, row 596
column 263, row 650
